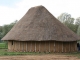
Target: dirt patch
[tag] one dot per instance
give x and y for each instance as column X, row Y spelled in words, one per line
column 39, row 57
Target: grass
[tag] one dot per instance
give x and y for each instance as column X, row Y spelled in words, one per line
column 4, row 52
column 3, row 45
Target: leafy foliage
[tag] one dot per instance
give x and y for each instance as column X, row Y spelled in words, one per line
column 69, row 21
column 78, row 30
column 77, row 21
column 5, row 29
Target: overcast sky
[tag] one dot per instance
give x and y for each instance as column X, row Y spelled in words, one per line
column 11, row 10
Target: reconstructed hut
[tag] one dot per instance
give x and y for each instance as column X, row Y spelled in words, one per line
column 39, row 31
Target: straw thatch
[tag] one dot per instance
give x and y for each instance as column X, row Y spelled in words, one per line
column 38, row 24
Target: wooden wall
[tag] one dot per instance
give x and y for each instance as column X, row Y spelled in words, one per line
column 48, row 46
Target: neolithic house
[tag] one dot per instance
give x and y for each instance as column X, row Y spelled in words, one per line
column 39, row 31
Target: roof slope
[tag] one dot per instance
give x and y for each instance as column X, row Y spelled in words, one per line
column 38, row 24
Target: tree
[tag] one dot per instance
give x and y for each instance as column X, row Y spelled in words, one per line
column 77, row 21
column 66, row 19
column 6, row 28
column 0, row 33
column 78, row 30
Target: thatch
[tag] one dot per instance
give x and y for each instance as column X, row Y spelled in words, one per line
column 38, row 24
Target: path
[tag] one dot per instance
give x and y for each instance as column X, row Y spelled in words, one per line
column 39, row 57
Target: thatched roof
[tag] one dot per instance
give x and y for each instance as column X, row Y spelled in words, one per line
column 38, row 24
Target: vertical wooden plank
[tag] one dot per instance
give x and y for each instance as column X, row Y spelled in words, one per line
column 47, row 46
column 51, row 46
column 44, row 43
column 64, row 47
column 16, row 45
column 28, row 46
column 60, row 47
column 75, row 46
column 9, row 46
column 19, row 46
column 71, row 46
column 37, row 46
column 33, row 46
column 73, row 43
column 24, row 46
column 11, row 49
column 42, row 47
column 67, row 47
column 13, row 45
column 56, row 47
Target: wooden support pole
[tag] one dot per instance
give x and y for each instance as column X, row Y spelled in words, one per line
column 35, row 46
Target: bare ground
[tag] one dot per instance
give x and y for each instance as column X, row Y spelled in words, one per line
column 39, row 57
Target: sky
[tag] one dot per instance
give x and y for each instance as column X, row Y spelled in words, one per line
column 11, row 10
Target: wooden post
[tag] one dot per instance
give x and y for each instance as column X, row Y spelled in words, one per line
column 62, row 46
column 35, row 46
column 26, row 47
column 54, row 46
column 49, row 46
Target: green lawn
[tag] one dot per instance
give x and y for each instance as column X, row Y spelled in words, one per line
column 3, row 45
